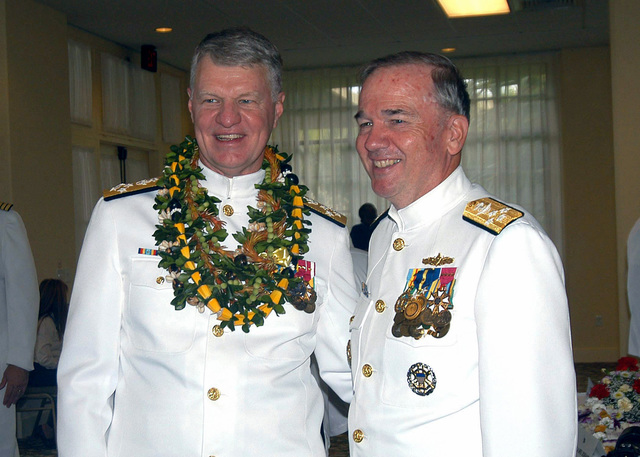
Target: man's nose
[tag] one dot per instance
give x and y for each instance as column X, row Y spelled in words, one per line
column 376, row 138
column 228, row 115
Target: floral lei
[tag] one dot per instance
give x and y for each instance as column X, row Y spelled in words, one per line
column 243, row 286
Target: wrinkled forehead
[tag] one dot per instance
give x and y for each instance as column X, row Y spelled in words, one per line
column 397, row 85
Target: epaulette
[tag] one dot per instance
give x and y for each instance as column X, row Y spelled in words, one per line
column 490, row 214
column 123, row 190
column 326, row 212
column 5, row 206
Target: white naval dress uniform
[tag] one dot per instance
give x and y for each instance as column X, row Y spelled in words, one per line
column 19, row 299
column 504, row 376
column 633, row 288
column 137, row 378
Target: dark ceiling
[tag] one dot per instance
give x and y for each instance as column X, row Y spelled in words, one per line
column 317, row 33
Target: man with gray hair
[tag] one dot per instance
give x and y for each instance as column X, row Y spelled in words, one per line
column 201, row 296
column 461, row 340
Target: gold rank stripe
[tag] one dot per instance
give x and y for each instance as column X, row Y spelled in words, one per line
column 490, row 214
column 326, row 212
column 122, row 190
column 5, row 206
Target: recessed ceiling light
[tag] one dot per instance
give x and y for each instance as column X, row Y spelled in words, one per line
column 448, row 50
column 164, row 29
column 464, row 8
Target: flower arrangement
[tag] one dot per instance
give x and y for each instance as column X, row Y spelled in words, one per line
column 613, row 404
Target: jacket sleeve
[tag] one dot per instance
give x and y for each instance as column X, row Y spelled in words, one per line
column 88, row 368
column 48, row 344
column 22, row 296
column 333, row 325
column 527, row 379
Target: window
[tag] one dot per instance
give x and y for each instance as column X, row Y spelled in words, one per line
column 512, row 148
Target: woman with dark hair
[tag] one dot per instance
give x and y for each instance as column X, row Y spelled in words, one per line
column 51, row 322
column 52, row 319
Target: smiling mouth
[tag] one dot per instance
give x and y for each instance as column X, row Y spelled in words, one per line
column 385, row 163
column 229, row 137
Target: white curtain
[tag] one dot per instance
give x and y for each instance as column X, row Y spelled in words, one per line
column 128, row 99
column 171, row 109
column 512, row 148
column 319, row 128
column 86, row 189
column 143, row 104
column 80, row 85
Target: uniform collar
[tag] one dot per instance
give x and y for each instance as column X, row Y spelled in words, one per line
column 433, row 204
column 237, row 187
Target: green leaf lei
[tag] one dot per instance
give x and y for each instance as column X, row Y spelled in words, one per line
column 243, row 286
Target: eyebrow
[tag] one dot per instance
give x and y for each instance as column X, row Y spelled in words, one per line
column 385, row 112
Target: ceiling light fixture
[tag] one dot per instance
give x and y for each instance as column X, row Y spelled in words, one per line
column 448, row 50
column 464, row 8
column 164, row 29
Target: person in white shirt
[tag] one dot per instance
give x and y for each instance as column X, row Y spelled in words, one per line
column 461, row 340
column 200, row 299
column 18, row 319
column 633, row 288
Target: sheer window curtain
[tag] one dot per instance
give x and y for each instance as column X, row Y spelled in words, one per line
column 128, row 99
column 319, row 128
column 80, row 83
column 512, row 148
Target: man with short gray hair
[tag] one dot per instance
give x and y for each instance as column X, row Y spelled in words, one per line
column 461, row 340
column 200, row 297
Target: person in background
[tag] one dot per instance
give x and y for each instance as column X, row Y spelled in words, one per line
column 198, row 304
column 361, row 233
column 461, row 340
column 18, row 319
column 633, row 288
column 52, row 319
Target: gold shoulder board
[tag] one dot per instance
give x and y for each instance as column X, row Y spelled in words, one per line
column 5, row 206
column 326, row 212
column 490, row 214
column 123, row 190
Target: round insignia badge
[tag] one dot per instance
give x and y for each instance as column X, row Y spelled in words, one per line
column 421, row 379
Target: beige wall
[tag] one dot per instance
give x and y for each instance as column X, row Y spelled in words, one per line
column 624, row 16
column 36, row 134
column 37, row 128
column 589, row 204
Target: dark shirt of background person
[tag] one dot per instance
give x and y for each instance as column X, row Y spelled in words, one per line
column 361, row 233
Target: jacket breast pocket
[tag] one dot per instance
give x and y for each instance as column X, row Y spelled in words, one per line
column 289, row 336
column 412, row 367
column 151, row 321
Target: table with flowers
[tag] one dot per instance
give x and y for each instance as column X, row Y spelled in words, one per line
column 612, row 404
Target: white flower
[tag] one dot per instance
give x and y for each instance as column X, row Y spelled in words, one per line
column 625, row 404
column 606, row 421
column 618, row 395
column 606, row 380
column 625, row 388
column 164, row 214
column 625, row 374
column 600, row 435
column 164, row 191
column 166, row 245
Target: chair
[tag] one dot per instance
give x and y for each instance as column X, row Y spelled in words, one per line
column 46, row 402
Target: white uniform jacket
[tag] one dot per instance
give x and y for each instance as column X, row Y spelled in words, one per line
column 633, row 287
column 19, row 299
column 138, row 378
column 503, row 375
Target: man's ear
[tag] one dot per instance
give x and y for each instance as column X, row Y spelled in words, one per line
column 279, row 108
column 190, row 104
column 458, row 128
